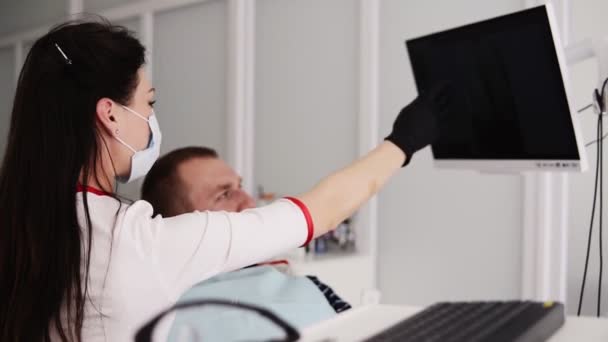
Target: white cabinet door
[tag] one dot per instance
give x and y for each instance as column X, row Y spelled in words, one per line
column 306, row 91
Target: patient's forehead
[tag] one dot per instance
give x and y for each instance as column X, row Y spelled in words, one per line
column 208, row 173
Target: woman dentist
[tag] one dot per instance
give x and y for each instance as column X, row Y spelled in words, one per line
column 76, row 263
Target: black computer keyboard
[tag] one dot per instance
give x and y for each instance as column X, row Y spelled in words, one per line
column 520, row 321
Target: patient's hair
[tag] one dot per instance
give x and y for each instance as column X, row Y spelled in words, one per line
column 163, row 187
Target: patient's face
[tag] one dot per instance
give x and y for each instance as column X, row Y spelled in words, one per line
column 213, row 185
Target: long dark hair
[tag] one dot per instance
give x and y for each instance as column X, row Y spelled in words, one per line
column 53, row 138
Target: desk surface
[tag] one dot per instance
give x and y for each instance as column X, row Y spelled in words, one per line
column 357, row 324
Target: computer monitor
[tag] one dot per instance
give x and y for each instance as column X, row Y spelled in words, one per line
column 512, row 110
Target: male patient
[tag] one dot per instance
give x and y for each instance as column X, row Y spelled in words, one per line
column 195, row 178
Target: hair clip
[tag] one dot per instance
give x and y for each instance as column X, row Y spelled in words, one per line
column 67, row 60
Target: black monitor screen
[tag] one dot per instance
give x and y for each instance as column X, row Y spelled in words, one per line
column 509, row 96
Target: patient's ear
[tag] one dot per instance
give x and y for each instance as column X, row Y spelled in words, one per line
column 105, row 111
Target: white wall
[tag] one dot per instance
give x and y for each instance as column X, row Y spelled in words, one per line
column 131, row 24
column 94, row 6
column 25, row 14
column 442, row 234
column 306, row 91
column 588, row 20
column 7, row 91
column 189, row 64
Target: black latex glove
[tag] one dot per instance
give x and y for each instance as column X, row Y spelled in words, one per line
column 417, row 125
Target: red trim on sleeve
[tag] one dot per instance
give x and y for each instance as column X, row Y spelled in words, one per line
column 275, row 262
column 81, row 188
column 309, row 223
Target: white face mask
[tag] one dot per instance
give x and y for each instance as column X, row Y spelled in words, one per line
column 142, row 161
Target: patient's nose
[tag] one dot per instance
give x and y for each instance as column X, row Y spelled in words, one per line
column 246, row 201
